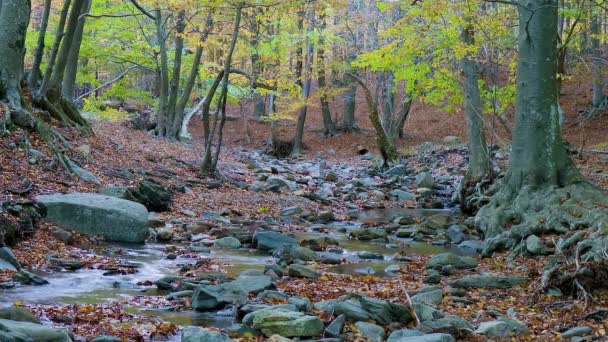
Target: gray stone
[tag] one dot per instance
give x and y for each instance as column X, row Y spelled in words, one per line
column 272, row 294
column 63, row 235
column 456, row 233
column 83, row 174
column 406, row 232
column 402, row 195
column 425, row 180
column 300, row 271
column 535, row 245
column 269, row 241
column 427, row 313
column 253, row 284
column 429, row 298
column 361, row 308
column 371, row 332
column 437, row 221
column 242, row 330
column 6, row 266
column 29, row 278
column 7, row 255
column 287, row 323
column 113, row 218
column 398, row 335
column 487, row 281
column 193, row 334
column 304, row 254
column 291, row 211
column 116, row 191
column 475, row 246
column 437, row 337
column 165, row 234
column 302, row 303
column 227, row 242
column 106, row 338
column 325, row 216
column 397, row 170
column 500, row 329
column 577, row 331
column 209, row 297
column 16, row 313
column 282, row 183
column 368, row 234
column 449, row 259
column 450, row 324
column 35, row 332
column 334, row 329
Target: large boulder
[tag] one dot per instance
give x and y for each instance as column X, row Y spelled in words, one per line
column 210, row 297
column 487, row 281
column 113, row 218
column 34, row 332
column 287, row 323
column 253, row 284
column 449, row 259
column 269, row 241
column 361, row 308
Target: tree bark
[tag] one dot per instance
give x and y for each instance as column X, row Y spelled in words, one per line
column 598, row 94
column 71, row 71
column 50, row 65
column 172, row 115
column 329, row 128
column 14, row 20
column 479, row 159
column 39, row 52
column 163, row 75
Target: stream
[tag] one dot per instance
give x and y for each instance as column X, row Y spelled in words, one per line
column 88, row 286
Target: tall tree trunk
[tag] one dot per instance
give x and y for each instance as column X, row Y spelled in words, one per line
column 598, row 94
column 39, row 52
column 259, row 109
column 69, row 81
column 299, row 136
column 210, row 160
column 14, row 20
column 479, row 159
column 329, row 128
column 163, row 75
column 46, row 81
column 349, row 121
column 172, row 115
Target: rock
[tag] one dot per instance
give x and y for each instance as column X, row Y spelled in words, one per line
column 501, row 329
column 227, row 242
column 209, row 297
column 402, row 195
column 287, row 323
column 487, row 281
column 7, row 255
column 299, row 271
column 117, row 191
column 406, row 232
column 269, row 241
column 368, row 234
column 302, row 303
column 427, row 313
column 433, row 277
column 16, row 313
column 362, row 308
column 370, row 255
column 372, row 332
column 254, row 283
column 319, row 244
column 425, row 180
column 272, row 295
column 397, row 170
column 242, row 330
column 154, row 196
column 33, row 331
column 398, row 335
column 475, row 246
column 63, row 235
column 111, row 217
column 577, row 331
column 291, row 211
column 83, row 174
column 27, row 278
column 334, row 329
column 278, row 338
column 535, row 245
column 447, row 324
column 282, row 183
column 456, row 233
column 193, row 334
column 437, row 221
column 304, row 254
column 325, row 216
column 165, row 234
column 188, row 213
column 429, row 298
column 449, row 259
column 438, row 337
column 106, row 338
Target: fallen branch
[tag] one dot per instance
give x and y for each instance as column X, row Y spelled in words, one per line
column 110, row 82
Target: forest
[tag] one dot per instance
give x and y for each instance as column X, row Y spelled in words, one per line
column 303, row 170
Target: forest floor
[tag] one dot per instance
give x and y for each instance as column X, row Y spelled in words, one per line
column 116, row 147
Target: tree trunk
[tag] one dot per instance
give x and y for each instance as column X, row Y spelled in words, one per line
column 71, row 71
column 39, row 52
column 46, row 81
column 349, row 122
column 329, row 128
column 299, row 136
column 172, row 115
column 598, row 94
column 479, row 159
column 14, row 20
column 163, row 75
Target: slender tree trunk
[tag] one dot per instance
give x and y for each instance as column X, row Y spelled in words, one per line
column 69, row 82
column 299, row 136
column 598, row 94
column 329, row 128
column 349, row 122
column 14, row 20
column 46, row 81
column 479, row 159
column 172, row 115
column 209, row 164
column 39, row 52
column 163, row 75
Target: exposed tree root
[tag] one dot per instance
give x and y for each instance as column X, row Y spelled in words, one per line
column 506, row 222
